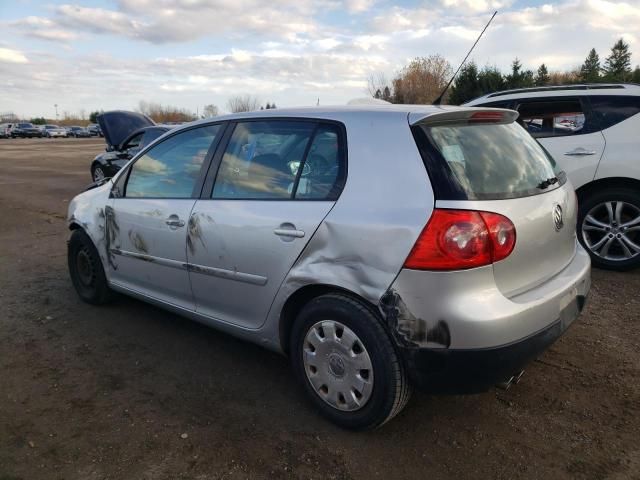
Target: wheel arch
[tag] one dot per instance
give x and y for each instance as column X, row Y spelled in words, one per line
column 298, row 299
column 606, row 183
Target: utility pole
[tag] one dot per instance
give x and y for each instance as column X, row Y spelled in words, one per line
column 56, row 106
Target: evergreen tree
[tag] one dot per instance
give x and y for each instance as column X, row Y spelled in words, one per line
column 635, row 78
column 466, row 86
column 617, row 66
column 542, row 77
column 386, row 94
column 490, row 80
column 519, row 78
column 590, row 70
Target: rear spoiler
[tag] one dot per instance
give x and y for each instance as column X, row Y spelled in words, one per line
column 464, row 115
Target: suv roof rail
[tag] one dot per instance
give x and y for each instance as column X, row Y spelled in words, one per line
column 552, row 88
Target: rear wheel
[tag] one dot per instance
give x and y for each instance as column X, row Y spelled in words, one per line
column 347, row 364
column 85, row 269
column 609, row 228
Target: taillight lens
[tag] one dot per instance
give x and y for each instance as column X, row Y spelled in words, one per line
column 460, row 239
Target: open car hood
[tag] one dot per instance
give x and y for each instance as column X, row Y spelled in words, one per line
column 117, row 125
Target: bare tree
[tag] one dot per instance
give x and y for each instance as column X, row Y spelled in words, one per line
column 210, row 111
column 422, row 81
column 376, row 85
column 243, row 103
column 160, row 113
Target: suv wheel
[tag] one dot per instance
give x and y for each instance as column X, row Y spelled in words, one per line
column 85, row 269
column 609, row 228
column 347, row 364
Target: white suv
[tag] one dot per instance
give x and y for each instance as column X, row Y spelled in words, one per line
column 593, row 132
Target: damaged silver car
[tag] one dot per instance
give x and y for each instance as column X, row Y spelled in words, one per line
column 381, row 248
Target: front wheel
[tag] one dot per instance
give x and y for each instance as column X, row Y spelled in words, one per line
column 97, row 173
column 346, row 363
column 609, row 228
column 85, row 269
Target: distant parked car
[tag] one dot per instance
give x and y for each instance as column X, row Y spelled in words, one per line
column 78, row 132
column 53, row 131
column 592, row 132
column 5, row 130
column 25, row 130
column 94, row 130
column 126, row 133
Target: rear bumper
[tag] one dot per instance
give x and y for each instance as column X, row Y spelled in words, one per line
column 460, row 371
column 458, row 333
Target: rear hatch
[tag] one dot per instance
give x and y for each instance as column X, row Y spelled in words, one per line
column 479, row 159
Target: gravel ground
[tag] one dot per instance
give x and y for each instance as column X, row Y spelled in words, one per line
column 130, row 391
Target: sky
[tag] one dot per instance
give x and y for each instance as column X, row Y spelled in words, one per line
column 111, row 54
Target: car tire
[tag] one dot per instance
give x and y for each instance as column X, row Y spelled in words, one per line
column 86, row 270
column 596, row 224
column 97, row 173
column 356, row 342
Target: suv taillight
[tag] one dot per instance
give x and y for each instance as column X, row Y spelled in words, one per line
column 459, row 239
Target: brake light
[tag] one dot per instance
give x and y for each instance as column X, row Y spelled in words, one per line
column 461, row 239
column 487, row 116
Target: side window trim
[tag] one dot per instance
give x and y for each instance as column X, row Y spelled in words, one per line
column 205, row 164
column 212, row 173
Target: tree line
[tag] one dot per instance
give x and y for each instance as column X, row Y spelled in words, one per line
column 424, row 78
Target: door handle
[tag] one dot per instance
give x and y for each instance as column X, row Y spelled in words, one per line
column 579, row 152
column 174, row 221
column 287, row 232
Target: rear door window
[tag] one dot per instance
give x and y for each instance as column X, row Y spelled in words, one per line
column 485, row 162
column 554, row 117
column 281, row 160
column 610, row 110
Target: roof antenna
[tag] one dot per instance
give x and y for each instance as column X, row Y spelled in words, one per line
column 438, row 100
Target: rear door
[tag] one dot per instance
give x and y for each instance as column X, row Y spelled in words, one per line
column 147, row 221
column 275, row 181
column 566, row 127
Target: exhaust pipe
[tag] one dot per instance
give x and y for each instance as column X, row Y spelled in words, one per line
column 512, row 380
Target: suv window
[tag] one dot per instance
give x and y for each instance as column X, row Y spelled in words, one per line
column 553, row 118
column 281, row 159
column 610, row 110
column 171, row 168
column 485, row 162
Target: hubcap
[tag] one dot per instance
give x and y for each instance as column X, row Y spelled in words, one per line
column 85, row 268
column 338, row 365
column 611, row 230
column 98, row 174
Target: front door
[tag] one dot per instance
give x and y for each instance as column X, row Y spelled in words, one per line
column 276, row 182
column 147, row 222
column 566, row 128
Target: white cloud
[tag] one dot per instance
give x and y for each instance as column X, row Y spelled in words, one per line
column 9, row 55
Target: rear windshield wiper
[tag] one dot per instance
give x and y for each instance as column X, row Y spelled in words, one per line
column 547, row 183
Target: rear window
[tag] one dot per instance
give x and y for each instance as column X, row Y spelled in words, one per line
column 485, row 162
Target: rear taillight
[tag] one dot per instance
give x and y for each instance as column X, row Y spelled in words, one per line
column 459, row 239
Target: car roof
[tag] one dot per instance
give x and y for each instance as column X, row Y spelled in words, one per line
column 414, row 113
column 561, row 90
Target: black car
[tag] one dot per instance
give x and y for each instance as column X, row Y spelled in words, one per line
column 25, row 130
column 126, row 133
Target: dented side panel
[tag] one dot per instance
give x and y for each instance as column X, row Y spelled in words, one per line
column 363, row 242
column 147, row 255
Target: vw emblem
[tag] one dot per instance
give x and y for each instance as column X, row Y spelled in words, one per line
column 557, row 217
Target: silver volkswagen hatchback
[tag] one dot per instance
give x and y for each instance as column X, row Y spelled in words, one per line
column 381, row 248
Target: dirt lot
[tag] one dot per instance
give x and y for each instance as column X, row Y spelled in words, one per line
column 130, row 391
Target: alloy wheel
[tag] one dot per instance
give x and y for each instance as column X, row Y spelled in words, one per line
column 338, row 365
column 611, row 230
column 98, row 174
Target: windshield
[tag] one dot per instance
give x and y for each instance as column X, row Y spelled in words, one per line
column 486, row 162
column 25, row 125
